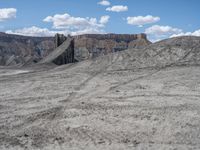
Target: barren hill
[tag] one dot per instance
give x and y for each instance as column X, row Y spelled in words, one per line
column 134, row 99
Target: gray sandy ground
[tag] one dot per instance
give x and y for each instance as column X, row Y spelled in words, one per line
column 101, row 104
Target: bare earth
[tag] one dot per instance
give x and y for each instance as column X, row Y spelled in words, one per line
column 62, row 109
column 100, row 104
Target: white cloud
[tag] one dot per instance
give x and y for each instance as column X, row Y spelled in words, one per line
column 142, row 20
column 162, row 30
column 104, row 19
column 33, row 31
column 7, row 13
column 195, row 33
column 66, row 24
column 156, row 32
column 77, row 25
column 43, row 32
column 117, row 8
column 104, row 3
column 65, row 21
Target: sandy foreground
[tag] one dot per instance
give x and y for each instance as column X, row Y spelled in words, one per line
column 73, row 108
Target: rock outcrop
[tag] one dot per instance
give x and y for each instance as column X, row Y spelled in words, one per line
column 20, row 50
column 63, row 54
column 59, row 39
column 93, row 45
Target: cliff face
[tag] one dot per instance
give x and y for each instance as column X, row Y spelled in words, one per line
column 94, row 45
column 16, row 49
column 63, row 54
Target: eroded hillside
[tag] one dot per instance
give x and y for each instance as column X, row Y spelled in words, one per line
column 135, row 99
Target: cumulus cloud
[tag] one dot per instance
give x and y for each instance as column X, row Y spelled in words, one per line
column 104, row 19
column 104, row 3
column 117, row 8
column 162, row 30
column 65, row 21
column 65, row 24
column 7, row 13
column 77, row 25
column 44, row 32
column 34, row 31
column 142, row 20
column 156, row 32
column 195, row 33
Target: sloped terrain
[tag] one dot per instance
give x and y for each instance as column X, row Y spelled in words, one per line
column 134, row 99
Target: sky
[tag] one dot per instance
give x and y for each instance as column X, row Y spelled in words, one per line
column 159, row 19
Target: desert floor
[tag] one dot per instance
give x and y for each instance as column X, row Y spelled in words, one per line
column 73, row 108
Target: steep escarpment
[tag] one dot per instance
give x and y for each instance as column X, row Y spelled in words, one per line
column 89, row 46
column 15, row 49
column 94, row 45
column 63, row 54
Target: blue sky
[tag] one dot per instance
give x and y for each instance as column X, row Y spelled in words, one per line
column 158, row 18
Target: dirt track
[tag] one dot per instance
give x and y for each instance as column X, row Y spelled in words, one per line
column 135, row 99
column 123, row 109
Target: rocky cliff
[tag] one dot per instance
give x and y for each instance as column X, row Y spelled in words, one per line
column 15, row 49
column 63, row 54
column 94, row 45
column 20, row 50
